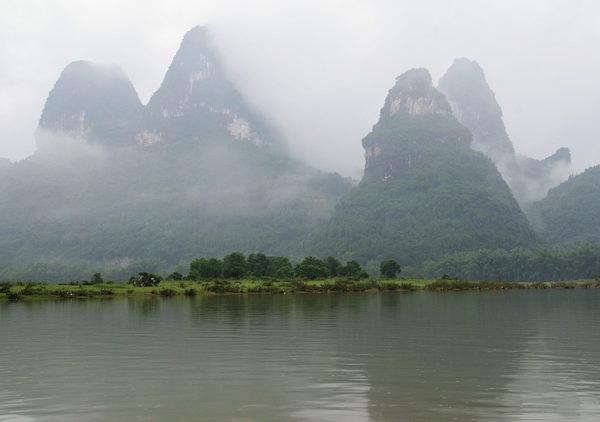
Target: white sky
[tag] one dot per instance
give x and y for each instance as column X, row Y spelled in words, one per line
column 320, row 70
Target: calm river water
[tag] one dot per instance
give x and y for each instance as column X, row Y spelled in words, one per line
column 495, row 356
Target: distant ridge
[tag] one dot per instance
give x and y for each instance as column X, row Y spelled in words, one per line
column 474, row 105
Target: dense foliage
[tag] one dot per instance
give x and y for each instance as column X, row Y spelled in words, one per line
column 475, row 106
column 518, row 265
column 389, row 268
column 259, row 265
column 569, row 216
column 196, row 172
column 424, row 193
column 514, row 265
column 128, row 204
column 117, row 189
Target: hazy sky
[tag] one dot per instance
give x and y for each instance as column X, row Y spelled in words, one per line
column 320, row 70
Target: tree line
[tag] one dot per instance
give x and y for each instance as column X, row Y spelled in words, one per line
column 519, row 264
column 515, row 265
column 236, row 266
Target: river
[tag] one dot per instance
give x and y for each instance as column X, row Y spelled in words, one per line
column 468, row 356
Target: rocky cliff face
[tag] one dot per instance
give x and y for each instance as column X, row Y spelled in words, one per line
column 91, row 103
column 413, row 95
column 415, row 117
column 196, row 99
column 196, row 102
column 474, row 105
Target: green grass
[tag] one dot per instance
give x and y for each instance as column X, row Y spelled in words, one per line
column 38, row 291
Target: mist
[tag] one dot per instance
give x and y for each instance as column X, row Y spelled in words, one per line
column 320, row 70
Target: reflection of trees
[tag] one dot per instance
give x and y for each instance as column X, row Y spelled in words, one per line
column 434, row 355
column 362, row 357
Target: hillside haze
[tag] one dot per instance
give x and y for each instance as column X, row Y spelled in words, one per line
column 194, row 173
column 474, row 105
column 198, row 172
column 90, row 103
column 197, row 100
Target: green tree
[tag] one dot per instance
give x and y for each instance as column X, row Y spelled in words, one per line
column 202, row 268
column 351, row 269
column 235, row 265
column 389, row 268
column 312, row 268
column 280, row 267
column 176, row 275
column 334, row 266
column 258, row 264
column 97, row 279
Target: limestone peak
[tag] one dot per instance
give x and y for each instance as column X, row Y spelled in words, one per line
column 92, row 103
column 474, row 105
column 413, row 94
column 197, row 96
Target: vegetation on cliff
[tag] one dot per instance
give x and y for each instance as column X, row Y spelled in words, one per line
column 424, row 191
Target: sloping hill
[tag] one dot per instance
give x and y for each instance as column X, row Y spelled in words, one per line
column 195, row 173
column 569, row 216
column 424, row 192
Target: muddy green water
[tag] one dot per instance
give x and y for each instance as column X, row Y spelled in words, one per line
column 495, row 356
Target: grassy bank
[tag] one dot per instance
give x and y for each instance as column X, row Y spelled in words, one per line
column 39, row 291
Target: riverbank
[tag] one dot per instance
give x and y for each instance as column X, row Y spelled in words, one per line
column 39, row 291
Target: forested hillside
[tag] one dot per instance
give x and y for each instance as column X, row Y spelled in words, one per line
column 569, row 215
column 198, row 172
column 195, row 173
column 424, row 192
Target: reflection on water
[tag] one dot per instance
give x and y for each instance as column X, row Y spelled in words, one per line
column 558, row 376
column 551, row 388
column 360, row 357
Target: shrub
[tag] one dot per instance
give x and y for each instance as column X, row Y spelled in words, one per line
column 359, row 286
column 82, row 293
column 167, row 292
column 144, row 279
column 176, row 275
column 63, row 293
column 5, row 286
column 219, row 286
column 32, row 289
column 388, row 286
column 13, row 296
column 97, row 279
column 564, row 285
column 28, row 290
